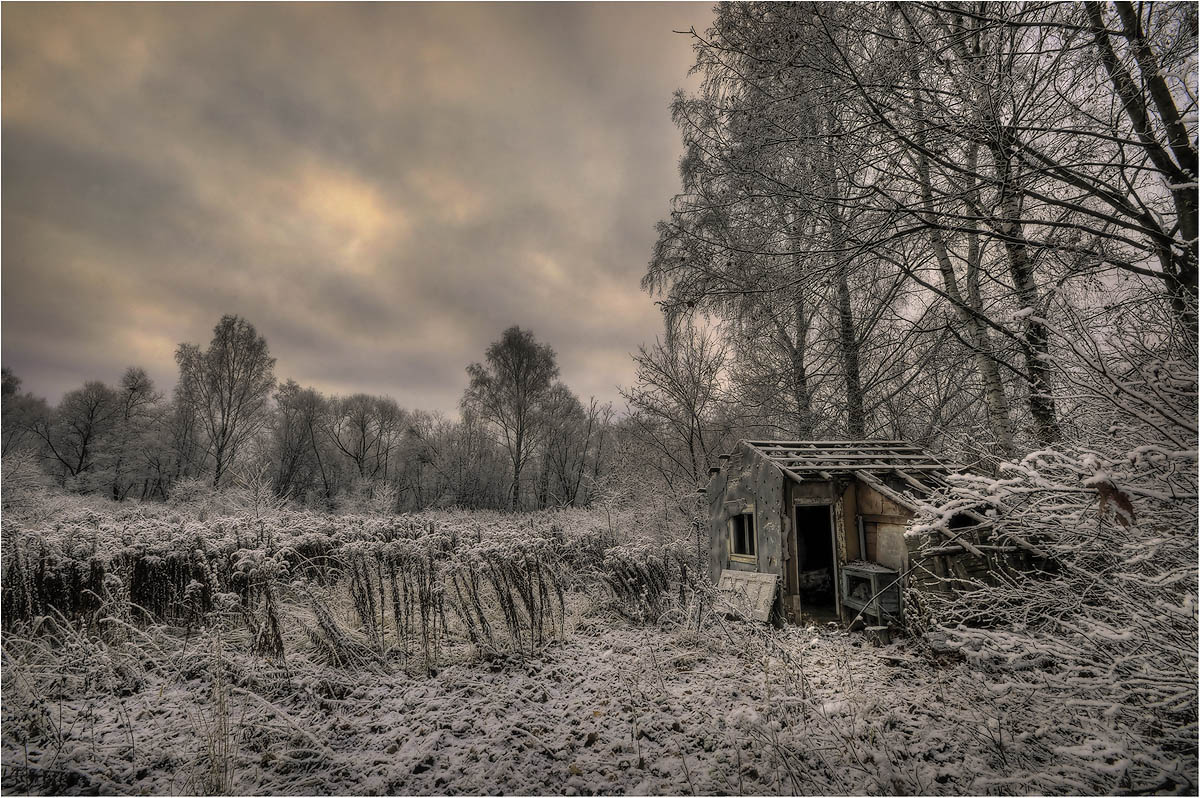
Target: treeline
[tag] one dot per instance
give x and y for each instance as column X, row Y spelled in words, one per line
column 523, row 440
column 968, row 225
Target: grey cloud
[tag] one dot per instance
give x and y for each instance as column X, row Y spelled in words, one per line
column 380, row 188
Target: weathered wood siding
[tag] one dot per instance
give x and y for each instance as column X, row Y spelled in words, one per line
column 717, row 547
column 747, row 480
column 884, row 522
column 848, row 534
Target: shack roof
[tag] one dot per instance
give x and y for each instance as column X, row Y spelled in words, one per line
column 869, row 460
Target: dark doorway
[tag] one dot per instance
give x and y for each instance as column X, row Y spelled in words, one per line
column 814, row 547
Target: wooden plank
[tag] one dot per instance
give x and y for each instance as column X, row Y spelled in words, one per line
column 839, row 548
column 849, row 530
column 853, row 456
column 881, row 518
column 871, row 465
column 747, row 594
column 901, row 458
column 863, row 465
column 911, row 480
column 955, row 548
column 787, row 472
column 774, row 450
column 899, row 498
column 761, row 444
column 859, row 465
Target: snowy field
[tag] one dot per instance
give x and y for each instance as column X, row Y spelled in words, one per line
column 167, row 651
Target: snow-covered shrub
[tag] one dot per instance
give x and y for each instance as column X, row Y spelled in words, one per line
column 1107, row 635
column 1104, row 633
column 191, row 491
column 23, row 481
column 412, row 583
column 1098, row 634
column 650, row 583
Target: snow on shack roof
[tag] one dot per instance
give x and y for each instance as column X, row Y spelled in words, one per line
column 868, row 460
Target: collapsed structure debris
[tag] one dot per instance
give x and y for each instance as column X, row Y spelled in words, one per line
column 825, row 523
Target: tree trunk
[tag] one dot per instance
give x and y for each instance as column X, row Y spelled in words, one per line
column 803, row 426
column 1035, row 337
column 847, row 337
column 999, row 415
column 1179, row 263
column 855, row 419
column 218, row 466
column 518, row 462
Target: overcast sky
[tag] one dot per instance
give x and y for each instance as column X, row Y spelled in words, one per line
column 380, row 189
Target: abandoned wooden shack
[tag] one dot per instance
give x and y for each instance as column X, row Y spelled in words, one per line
column 816, row 528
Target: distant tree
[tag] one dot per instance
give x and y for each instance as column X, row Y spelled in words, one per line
column 574, row 449
column 227, row 387
column 177, row 452
column 136, row 401
column 366, row 430
column 74, row 432
column 296, row 439
column 564, row 442
column 20, row 412
column 509, row 393
column 10, row 383
column 452, row 464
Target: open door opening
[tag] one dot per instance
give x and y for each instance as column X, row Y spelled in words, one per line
column 815, row 567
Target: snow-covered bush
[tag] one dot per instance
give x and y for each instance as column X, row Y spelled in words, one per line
column 650, row 583
column 1106, row 633
column 406, row 579
column 1101, row 636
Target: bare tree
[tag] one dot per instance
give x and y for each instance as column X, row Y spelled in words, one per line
column 509, row 392
column 355, row 430
column 675, row 401
column 227, row 387
column 73, row 433
column 296, row 438
column 20, row 411
column 136, row 402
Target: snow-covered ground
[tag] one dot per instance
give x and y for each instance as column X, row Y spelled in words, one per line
column 614, row 709
column 115, row 702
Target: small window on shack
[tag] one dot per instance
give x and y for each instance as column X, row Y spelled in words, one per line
column 742, row 537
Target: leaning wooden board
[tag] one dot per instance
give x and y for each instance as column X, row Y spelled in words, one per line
column 747, row 594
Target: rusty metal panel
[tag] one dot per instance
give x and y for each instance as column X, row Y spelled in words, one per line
column 747, row 595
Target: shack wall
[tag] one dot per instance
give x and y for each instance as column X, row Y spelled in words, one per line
column 748, row 480
column 745, row 481
column 717, row 547
column 884, row 522
column 848, row 532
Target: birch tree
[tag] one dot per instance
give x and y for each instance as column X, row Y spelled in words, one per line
column 227, row 387
column 509, row 392
column 126, row 457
